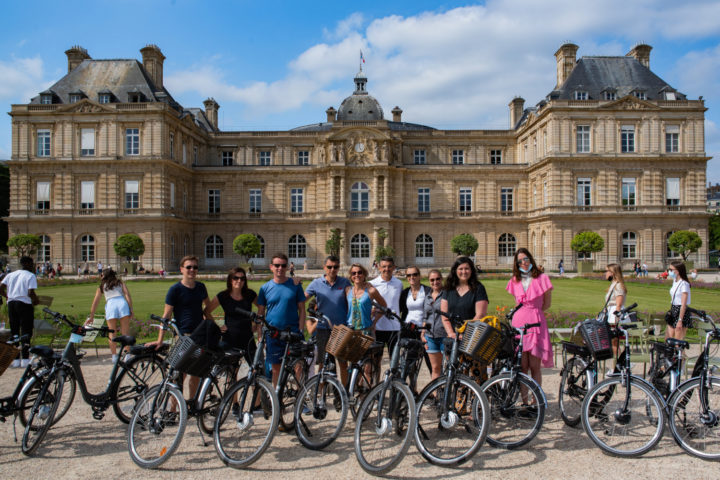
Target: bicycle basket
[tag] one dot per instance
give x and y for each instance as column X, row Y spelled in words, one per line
column 507, row 344
column 597, row 337
column 347, row 344
column 480, row 341
column 190, row 358
column 8, row 353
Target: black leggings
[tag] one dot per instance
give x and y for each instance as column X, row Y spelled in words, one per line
column 21, row 322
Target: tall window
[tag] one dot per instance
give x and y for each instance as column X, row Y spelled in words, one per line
column 628, row 192
column 186, row 245
column 629, row 245
column 672, row 192
column 265, row 158
column 495, row 157
column 359, row 197
column 458, row 157
column 627, row 139
column 424, row 247
column 43, row 254
column 506, row 245
column 672, row 136
column 297, row 247
column 583, row 138
column 262, row 247
column 506, row 199
column 184, row 153
column 132, row 141
column 227, row 158
column 255, row 201
column 43, row 143
column 669, row 252
column 360, row 246
column 195, row 155
column 87, row 142
column 296, row 200
column 423, row 200
column 214, row 200
column 172, row 146
column 87, row 248
column 545, row 194
column 87, row 195
column 42, row 196
column 185, row 200
column 303, row 157
column 214, row 247
column 419, row 157
column 584, row 192
column 172, row 195
column 132, row 195
column 465, row 201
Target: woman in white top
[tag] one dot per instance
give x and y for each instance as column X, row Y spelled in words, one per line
column 412, row 299
column 118, row 305
column 680, row 319
column 615, row 296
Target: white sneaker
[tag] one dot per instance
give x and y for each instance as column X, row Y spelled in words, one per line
column 114, row 358
column 127, row 357
column 15, row 364
column 25, row 362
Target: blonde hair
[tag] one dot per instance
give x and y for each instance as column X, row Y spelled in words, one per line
column 617, row 274
column 361, row 267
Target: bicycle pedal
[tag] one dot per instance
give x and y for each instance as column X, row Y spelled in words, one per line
column 98, row 415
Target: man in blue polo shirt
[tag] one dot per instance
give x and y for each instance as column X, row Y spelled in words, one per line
column 329, row 290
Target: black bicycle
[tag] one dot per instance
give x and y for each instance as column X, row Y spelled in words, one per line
column 578, row 374
column 294, row 369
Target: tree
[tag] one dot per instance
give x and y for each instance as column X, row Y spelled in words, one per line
column 714, row 232
column 381, row 250
column 587, row 243
column 685, row 242
column 334, row 244
column 129, row 245
column 464, row 244
column 25, row 244
column 246, row 245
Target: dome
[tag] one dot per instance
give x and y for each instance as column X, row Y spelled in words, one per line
column 360, row 106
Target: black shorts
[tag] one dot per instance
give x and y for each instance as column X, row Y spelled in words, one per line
column 322, row 336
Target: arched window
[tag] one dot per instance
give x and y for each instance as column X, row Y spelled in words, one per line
column 506, row 245
column 214, row 247
column 629, row 245
column 297, row 247
column 359, row 197
column 668, row 252
column 424, row 247
column 87, row 248
column 262, row 247
column 360, row 246
column 43, row 254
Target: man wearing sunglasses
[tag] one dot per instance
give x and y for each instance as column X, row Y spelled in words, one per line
column 329, row 291
column 282, row 301
column 386, row 329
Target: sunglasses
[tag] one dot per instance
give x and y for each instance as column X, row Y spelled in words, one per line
column 436, row 279
column 523, row 260
column 332, row 267
column 279, row 265
column 191, row 267
column 410, row 275
column 358, row 272
column 239, row 278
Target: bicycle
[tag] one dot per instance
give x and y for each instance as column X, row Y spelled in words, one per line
column 694, row 407
column 517, row 401
column 294, row 370
column 666, row 365
column 623, row 415
column 453, row 414
column 160, row 417
column 249, row 413
column 578, row 374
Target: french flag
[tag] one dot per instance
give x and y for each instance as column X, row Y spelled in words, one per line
column 361, row 57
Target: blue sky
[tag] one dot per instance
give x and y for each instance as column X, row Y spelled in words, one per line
column 275, row 65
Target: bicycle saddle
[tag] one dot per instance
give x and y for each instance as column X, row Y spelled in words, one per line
column 674, row 342
column 124, row 340
column 42, row 351
column 376, row 347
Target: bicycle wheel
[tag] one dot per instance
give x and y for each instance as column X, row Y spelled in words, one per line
column 137, row 377
column 30, row 390
column 243, row 431
column 321, row 412
column 363, row 384
column 517, row 410
column 452, row 437
column 695, row 430
column 573, row 388
column 42, row 413
column 211, row 402
column 288, row 397
column 623, row 432
column 382, row 435
column 157, row 426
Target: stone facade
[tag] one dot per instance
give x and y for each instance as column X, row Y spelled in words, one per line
column 94, row 159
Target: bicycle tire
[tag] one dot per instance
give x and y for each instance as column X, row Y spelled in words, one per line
column 696, row 433
column 454, row 437
column 42, row 412
column 321, row 413
column 572, row 391
column 139, row 374
column 160, row 411
column 514, row 421
column 234, row 430
column 211, row 402
column 363, row 385
column 29, row 392
column 610, row 431
column 380, row 449
column 288, row 396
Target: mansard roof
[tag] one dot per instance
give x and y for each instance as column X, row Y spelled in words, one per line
column 395, row 126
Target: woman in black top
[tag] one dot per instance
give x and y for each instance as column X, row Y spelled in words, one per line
column 464, row 294
column 237, row 329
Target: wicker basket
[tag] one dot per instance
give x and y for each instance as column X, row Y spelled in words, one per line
column 348, row 344
column 597, row 337
column 480, row 341
column 8, row 353
column 188, row 357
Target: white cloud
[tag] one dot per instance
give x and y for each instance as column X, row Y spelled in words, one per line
column 346, row 26
column 22, row 79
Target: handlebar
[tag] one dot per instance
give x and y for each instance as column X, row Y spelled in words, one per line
column 386, row 311
column 315, row 315
column 78, row 329
column 511, row 313
column 625, row 310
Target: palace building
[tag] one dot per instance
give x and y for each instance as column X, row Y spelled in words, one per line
column 107, row 150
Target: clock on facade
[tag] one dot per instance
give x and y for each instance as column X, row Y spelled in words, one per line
column 359, row 147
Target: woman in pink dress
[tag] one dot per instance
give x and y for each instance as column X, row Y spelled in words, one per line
column 532, row 288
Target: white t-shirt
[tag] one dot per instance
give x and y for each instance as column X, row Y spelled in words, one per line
column 390, row 291
column 416, row 312
column 614, row 291
column 18, row 283
column 114, row 292
column 678, row 288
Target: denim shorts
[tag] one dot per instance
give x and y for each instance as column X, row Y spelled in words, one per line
column 434, row 344
column 116, row 307
column 274, row 350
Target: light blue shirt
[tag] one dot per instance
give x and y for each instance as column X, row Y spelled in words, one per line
column 281, row 303
column 330, row 299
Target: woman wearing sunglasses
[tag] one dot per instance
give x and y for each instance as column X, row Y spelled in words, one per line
column 360, row 296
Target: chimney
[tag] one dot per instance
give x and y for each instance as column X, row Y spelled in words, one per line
column 565, row 57
column 397, row 114
column 211, row 111
column 153, row 63
column 331, row 114
column 516, row 110
column 75, row 55
column 641, row 52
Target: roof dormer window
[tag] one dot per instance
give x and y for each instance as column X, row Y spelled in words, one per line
column 134, row 98
column 610, row 95
column 46, row 99
column 670, row 96
column 640, row 94
column 581, row 95
column 75, row 97
column 104, row 98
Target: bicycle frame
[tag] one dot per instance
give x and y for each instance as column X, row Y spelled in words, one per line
column 590, row 370
column 8, row 405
